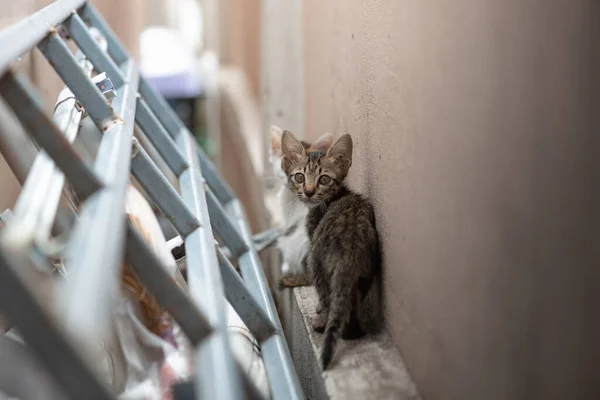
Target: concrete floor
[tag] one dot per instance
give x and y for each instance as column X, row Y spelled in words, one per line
column 369, row 368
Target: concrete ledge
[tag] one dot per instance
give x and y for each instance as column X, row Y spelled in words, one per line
column 369, row 368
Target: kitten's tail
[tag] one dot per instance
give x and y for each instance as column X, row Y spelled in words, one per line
column 340, row 310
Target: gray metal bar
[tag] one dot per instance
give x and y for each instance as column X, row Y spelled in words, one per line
column 21, row 98
column 16, row 146
column 62, row 60
column 266, row 238
column 20, row 302
column 282, row 376
column 160, row 108
column 243, row 302
column 19, row 367
column 183, row 390
column 175, row 127
column 214, row 361
column 162, row 286
column 156, row 157
column 267, row 235
column 86, row 42
column 278, row 362
column 20, row 152
column 216, row 183
column 26, row 34
column 115, row 48
column 186, row 390
column 156, row 279
column 40, row 197
column 162, row 192
column 160, row 138
column 96, row 248
column 224, row 227
column 154, row 276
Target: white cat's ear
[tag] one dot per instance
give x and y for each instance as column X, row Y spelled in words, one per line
column 291, row 147
column 341, row 153
column 276, row 134
column 323, row 143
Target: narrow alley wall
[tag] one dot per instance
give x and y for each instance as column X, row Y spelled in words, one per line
column 473, row 125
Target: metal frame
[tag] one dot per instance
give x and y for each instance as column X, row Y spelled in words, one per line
column 102, row 238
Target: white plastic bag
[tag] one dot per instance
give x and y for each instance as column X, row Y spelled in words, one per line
column 151, row 364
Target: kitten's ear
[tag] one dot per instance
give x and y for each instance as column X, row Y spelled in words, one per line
column 323, row 143
column 341, row 153
column 276, row 134
column 291, row 147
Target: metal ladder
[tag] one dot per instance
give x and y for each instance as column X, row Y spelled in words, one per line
column 102, row 237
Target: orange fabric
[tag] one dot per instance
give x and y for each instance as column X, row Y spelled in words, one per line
column 152, row 311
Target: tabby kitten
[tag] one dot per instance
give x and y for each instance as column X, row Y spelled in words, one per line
column 293, row 242
column 344, row 247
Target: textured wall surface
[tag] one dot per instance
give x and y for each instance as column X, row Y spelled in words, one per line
column 282, row 78
column 240, row 38
column 473, row 127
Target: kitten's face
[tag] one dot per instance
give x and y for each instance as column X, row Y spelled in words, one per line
column 316, row 174
column 276, row 154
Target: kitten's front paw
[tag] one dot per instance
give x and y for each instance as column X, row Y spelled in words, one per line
column 294, row 281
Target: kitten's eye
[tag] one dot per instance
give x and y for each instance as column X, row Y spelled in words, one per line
column 299, row 177
column 324, row 180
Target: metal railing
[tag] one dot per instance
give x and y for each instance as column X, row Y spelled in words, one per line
column 60, row 331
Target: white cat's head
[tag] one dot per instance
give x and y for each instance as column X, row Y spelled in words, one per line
column 275, row 153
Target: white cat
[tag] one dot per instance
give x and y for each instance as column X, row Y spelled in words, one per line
column 293, row 243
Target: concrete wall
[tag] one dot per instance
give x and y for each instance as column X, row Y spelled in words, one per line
column 473, row 128
column 241, row 38
column 282, row 78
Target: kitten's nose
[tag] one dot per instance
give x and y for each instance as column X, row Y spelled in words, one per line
column 309, row 192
